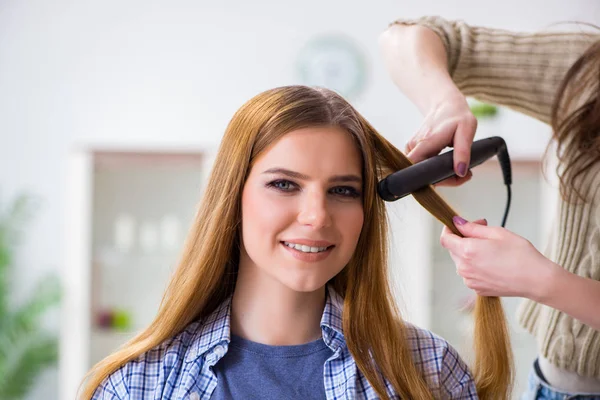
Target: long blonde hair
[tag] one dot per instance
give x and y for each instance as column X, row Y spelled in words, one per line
column 211, row 252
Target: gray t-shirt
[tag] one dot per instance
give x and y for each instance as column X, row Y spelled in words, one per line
column 251, row 370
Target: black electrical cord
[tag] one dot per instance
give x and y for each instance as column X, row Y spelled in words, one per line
column 504, row 161
column 508, row 198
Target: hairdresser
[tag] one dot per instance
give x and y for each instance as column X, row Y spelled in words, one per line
column 555, row 78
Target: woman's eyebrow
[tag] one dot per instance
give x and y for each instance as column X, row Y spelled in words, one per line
column 298, row 175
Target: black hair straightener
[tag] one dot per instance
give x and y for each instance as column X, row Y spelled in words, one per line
column 436, row 169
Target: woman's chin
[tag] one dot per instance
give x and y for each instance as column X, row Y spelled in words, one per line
column 305, row 285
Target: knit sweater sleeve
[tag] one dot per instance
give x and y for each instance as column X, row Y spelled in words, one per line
column 521, row 71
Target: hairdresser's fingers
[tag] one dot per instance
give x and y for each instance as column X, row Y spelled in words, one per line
column 426, row 148
column 455, row 244
column 447, row 231
column 417, row 137
column 462, row 269
column 475, row 286
column 430, row 142
column 423, row 131
column 463, row 139
column 450, row 241
column 455, row 180
column 411, row 144
column 457, row 262
column 476, row 230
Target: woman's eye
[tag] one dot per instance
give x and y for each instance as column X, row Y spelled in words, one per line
column 345, row 191
column 282, row 185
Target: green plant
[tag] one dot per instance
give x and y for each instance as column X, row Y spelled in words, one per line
column 483, row 110
column 26, row 349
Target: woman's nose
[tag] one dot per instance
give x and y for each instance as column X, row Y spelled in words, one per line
column 314, row 210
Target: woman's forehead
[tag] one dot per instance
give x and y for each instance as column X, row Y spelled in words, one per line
column 317, row 149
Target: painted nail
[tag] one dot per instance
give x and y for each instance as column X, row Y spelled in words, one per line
column 458, row 220
column 462, row 169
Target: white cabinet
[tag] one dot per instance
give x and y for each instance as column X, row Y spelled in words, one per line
column 130, row 210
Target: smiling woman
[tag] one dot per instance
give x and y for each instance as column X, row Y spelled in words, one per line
column 282, row 290
column 302, row 213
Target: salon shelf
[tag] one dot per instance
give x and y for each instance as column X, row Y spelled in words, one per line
column 130, row 210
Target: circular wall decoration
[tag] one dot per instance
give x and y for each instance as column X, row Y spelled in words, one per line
column 334, row 62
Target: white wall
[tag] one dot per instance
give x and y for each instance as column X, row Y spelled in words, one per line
column 128, row 72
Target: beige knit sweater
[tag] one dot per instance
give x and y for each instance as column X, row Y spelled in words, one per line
column 522, row 71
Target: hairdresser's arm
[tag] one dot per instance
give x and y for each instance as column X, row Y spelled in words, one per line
column 416, row 60
column 575, row 295
column 515, row 69
column 496, row 262
column 417, row 63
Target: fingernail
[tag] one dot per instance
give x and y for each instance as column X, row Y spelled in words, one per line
column 458, row 220
column 462, row 169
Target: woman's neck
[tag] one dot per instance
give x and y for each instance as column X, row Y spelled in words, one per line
column 263, row 310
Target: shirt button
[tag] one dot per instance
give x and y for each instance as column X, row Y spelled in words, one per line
column 194, row 396
column 220, row 350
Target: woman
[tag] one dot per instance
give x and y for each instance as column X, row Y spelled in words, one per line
column 554, row 77
column 282, row 291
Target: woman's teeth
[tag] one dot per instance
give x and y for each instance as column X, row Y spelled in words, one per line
column 305, row 249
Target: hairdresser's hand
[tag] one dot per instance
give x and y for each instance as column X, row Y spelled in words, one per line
column 449, row 122
column 496, row 262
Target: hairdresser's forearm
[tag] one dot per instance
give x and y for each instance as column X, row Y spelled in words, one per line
column 574, row 295
column 417, row 62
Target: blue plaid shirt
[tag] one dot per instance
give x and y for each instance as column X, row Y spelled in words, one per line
column 180, row 368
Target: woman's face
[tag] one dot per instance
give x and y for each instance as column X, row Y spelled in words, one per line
column 302, row 210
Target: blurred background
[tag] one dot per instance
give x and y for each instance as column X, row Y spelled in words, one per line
column 110, row 114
